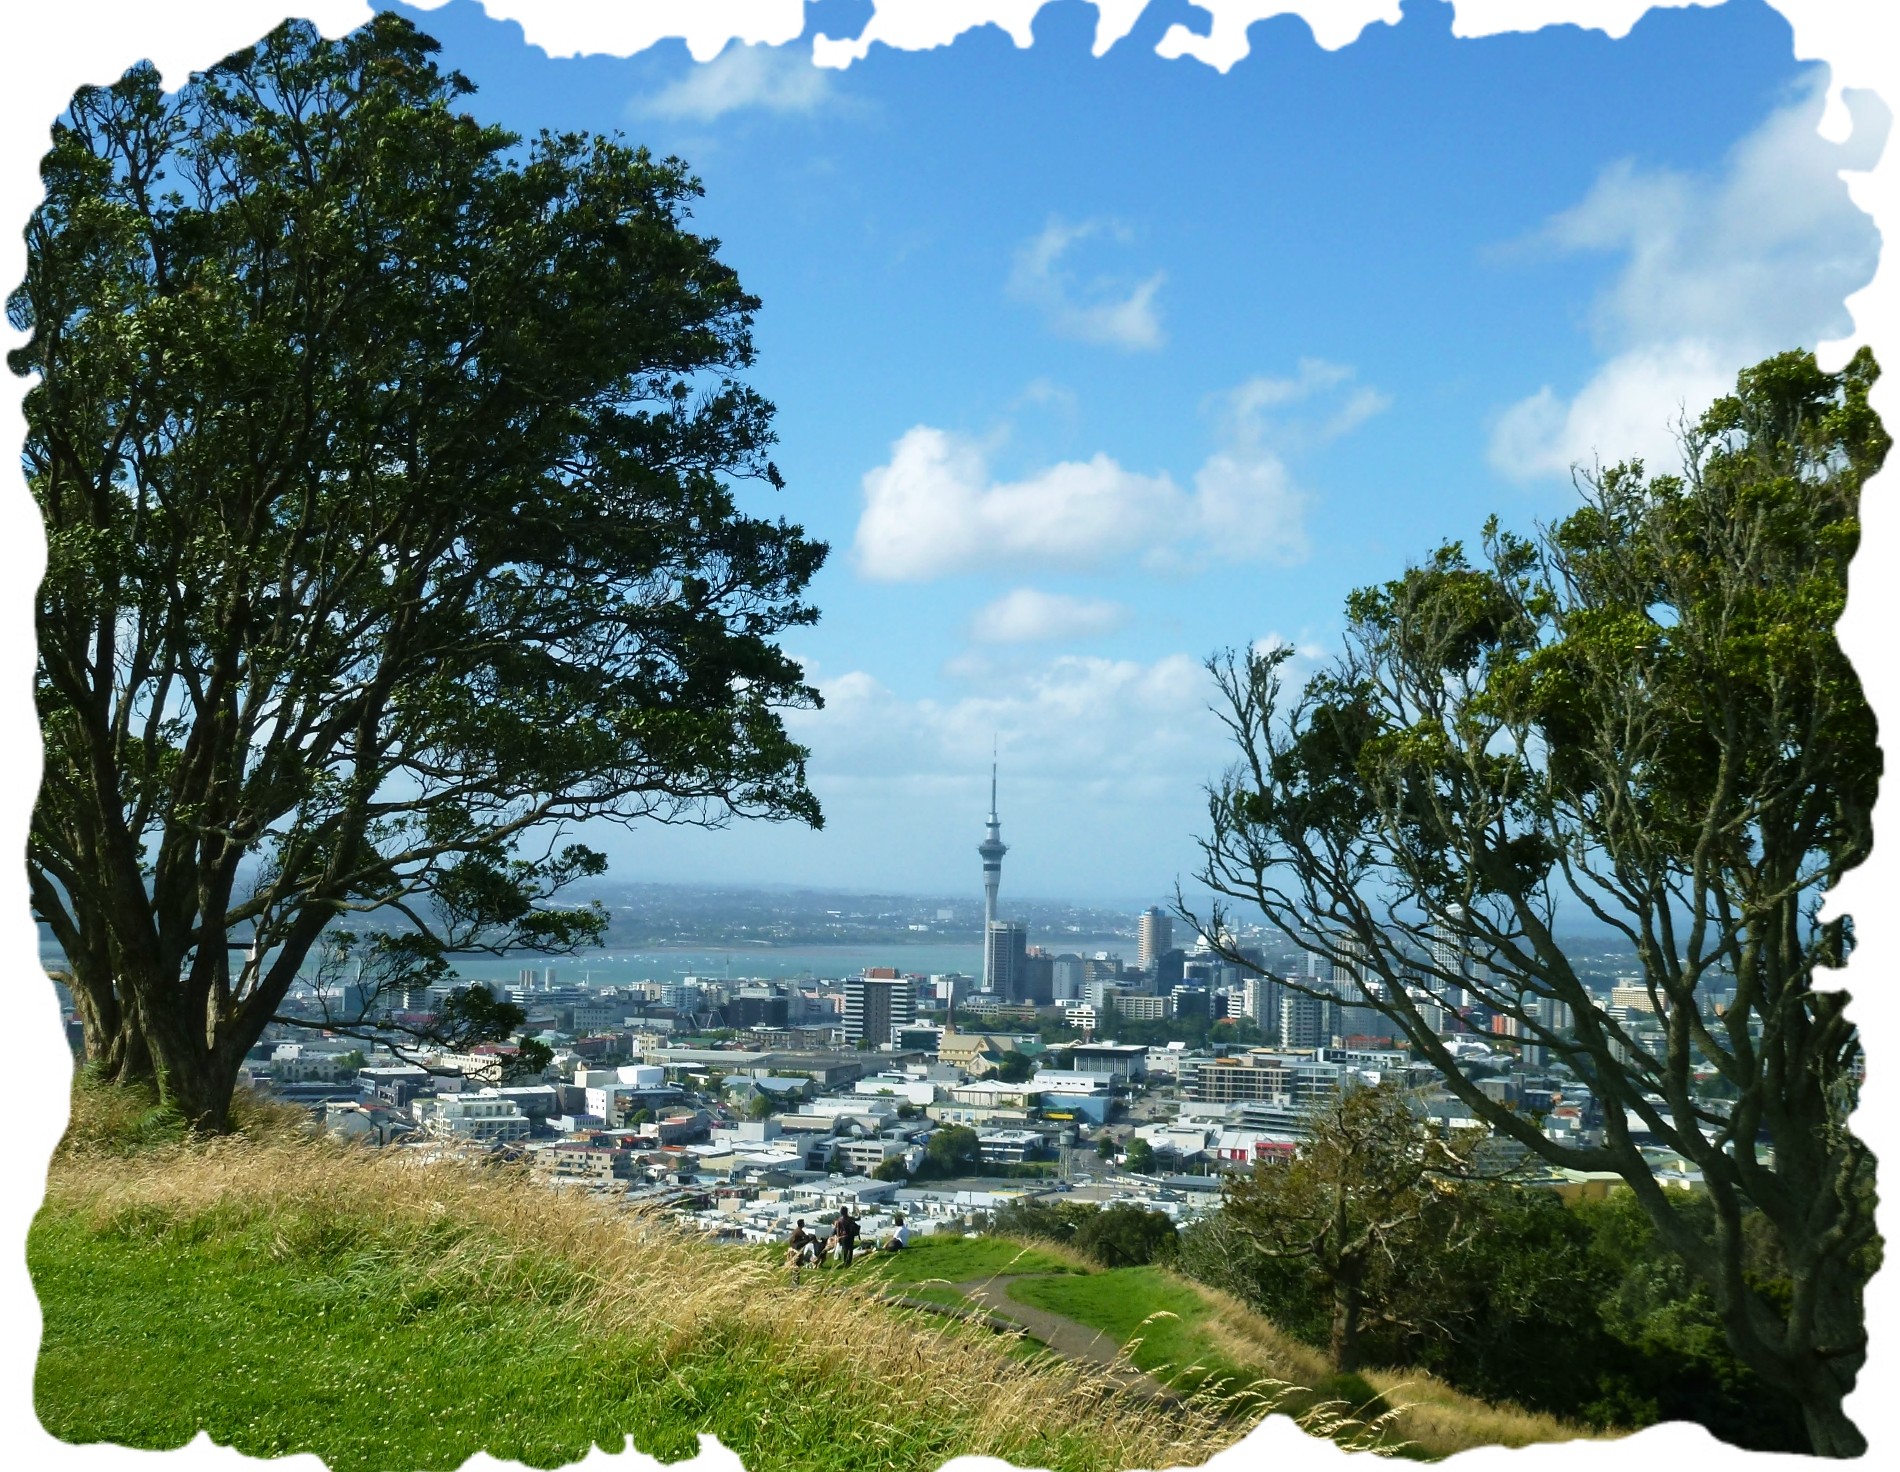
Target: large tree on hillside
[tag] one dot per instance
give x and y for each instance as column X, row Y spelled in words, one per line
column 1642, row 714
column 387, row 470
column 1354, row 1207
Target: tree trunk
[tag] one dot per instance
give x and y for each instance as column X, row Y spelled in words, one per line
column 1830, row 1433
column 1348, row 1304
column 193, row 1076
column 116, row 1050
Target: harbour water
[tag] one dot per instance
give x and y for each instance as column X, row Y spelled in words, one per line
column 765, row 963
column 741, row 963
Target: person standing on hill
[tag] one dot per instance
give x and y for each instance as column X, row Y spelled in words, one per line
column 845, row 1232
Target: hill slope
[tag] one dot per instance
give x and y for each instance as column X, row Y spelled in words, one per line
column 287, row 1294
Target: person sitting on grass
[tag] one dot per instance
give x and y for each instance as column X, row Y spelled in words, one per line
column 899, row 1235
column 800, row 1248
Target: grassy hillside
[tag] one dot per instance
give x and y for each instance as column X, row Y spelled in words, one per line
column 287, row 1294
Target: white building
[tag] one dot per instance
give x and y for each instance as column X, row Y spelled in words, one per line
column 481, row 1116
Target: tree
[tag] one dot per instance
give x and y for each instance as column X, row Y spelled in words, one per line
column 1015, row 1068
column 1641, row 713
column 387, row 466
column 530, row 1062
column 890, row 1169
column 1140, row 1155
column 1124, row 1236
column 1350, row 1205
column 952, row 1150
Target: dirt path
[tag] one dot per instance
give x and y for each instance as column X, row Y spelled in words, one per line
column 1063, row 1335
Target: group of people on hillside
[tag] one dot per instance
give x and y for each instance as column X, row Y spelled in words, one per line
column 808, row 1249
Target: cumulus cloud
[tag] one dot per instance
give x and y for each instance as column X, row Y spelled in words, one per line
column 1111, row 718
column 934, row 508
column 1250, row 508
column 1718, row 272
column 774, row 78
column 1110, row 311
column 1030, row 616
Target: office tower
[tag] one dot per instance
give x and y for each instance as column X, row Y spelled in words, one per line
column 1038, row 977
column 1154, row 935
column 1069, row 974
column 1005, row 958
column 991, row 849
column 1349, row 966
column 1305, row 1022
column 875, row 1003
column 1170, row 970
column 1450, row 957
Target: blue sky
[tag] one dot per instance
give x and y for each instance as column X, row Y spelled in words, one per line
column 1087, row 367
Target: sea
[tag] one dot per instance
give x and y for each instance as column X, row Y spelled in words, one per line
column 762, row 963
column 614, row 967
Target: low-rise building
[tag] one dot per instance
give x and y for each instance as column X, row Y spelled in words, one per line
column 482, row 1116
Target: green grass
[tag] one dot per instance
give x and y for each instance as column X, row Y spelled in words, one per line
column 1164, row 1312
column 288, row 1295
column 363, row 1361
column 963, row 1260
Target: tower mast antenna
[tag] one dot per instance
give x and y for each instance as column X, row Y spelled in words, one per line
column 991, row 850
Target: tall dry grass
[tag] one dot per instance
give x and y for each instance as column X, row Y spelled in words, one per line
column 617, row 1274
column 1424, row 1411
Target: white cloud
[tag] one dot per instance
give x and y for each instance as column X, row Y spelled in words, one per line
column 1107, row 311
column 1111, row 718
column 933, row 508
column 1030, row 616
column 1718, row 272
column 777, row 79
column 1628, row 411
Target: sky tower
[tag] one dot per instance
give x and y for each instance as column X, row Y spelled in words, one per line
column 992, row 849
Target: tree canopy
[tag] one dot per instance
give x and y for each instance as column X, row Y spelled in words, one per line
column 1641, row 713
column 389, row 470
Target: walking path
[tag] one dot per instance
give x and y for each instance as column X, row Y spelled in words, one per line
column 990, row 1301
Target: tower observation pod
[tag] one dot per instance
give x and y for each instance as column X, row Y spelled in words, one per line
column 991, row 849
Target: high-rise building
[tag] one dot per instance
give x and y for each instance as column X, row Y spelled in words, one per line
column 1350, row 964
column 1305, row 1022
column 1039, row 977
column 1260, row 999
column 1005, row 959
column 876, row 1003
column 1154, row 934
column 1450, row 957
column 991, row 850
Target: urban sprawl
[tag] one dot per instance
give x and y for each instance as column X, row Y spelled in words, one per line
column 743, row 1105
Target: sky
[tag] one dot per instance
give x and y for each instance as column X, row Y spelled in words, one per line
column 1087, row 367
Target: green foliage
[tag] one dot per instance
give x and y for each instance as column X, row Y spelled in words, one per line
column 1015, row 1068
column 387, row 466
column 1506, row 1293
column 890, row 1170
column 532, row 1060
column 1050, row 1221
column 1125, row 1236
column 952, row 1150
column 1642, row 713
column 1140, row 1155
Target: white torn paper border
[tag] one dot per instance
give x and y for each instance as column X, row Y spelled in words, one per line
column 49, row 49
